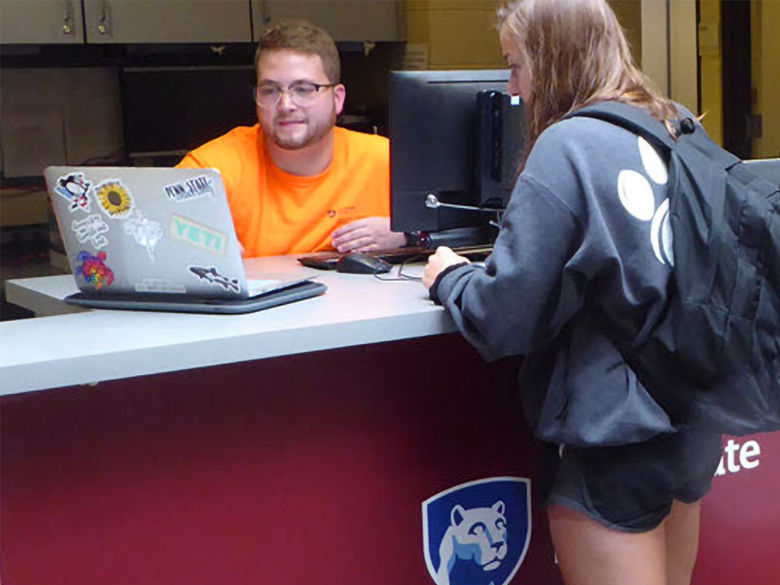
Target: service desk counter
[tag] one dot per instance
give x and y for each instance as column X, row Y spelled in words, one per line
column 339, row 439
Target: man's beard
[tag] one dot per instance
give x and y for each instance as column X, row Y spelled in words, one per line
column 314, row 133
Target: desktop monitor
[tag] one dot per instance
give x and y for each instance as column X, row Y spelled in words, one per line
column 457, row 136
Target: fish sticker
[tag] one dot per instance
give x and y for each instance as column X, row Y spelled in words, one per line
column 212, row 276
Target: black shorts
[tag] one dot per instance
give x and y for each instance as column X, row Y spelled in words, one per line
column 631, row 487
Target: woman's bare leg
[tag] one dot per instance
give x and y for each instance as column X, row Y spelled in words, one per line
column 682, row 542
column 591, row 554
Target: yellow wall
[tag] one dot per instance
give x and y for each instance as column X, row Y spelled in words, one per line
column 629, row 14
column 460, row 34
column 711, row 68
column 765, row 48
column 765, row 20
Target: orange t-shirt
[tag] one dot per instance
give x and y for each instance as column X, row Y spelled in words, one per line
column 278, row 213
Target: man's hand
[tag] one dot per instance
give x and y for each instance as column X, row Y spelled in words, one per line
column 366, row 235
column 437, row 262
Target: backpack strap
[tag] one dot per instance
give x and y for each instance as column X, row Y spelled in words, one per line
column 640, row 122
column 632, row 118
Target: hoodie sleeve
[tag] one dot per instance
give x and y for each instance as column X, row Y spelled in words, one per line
column 529, row 288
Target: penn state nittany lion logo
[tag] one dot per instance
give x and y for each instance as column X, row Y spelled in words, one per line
column 477, row 533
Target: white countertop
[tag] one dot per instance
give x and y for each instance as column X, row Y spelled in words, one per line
column 76, row 346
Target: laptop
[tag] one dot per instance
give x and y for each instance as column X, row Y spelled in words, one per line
column 160, row 239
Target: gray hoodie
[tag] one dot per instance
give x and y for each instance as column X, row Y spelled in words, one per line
column 586, row 226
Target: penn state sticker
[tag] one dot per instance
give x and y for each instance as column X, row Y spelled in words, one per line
column 199, row 186
column 477, row 533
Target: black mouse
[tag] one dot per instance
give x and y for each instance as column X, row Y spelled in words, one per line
column 357, row 263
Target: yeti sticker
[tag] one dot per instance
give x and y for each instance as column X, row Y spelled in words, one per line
column 477, row 533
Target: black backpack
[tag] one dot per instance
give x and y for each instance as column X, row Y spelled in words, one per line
column 713, row 358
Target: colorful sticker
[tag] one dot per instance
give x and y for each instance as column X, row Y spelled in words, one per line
column 74, row 188
column 145, row 231
column 114, row 198
column 212, row 276
column 190, row 189
column 159, row 285
column 94, row 270
column 91, row 228
column 197, row 235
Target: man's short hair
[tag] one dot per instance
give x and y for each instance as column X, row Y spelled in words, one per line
column 303, row 37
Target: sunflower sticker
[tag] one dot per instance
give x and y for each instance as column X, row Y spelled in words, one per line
column 114, row 198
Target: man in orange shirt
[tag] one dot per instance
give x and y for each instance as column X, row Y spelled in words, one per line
column 295, row 182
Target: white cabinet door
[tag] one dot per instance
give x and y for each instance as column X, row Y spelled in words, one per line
column 345, row 20
column 40, row 21
column 167, row 21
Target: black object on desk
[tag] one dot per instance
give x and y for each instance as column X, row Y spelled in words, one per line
column 328, row 260
column 357, row 263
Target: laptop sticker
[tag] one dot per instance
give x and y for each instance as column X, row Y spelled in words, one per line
column 114, row 198
column 197, row 235
column 159, row 285
column 93, row 269
column 145, row 231
column 74, row 188
column 212, row 276
column 190, row 189
column 91, row 228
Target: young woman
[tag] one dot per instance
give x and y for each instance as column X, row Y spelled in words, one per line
column 583, row 241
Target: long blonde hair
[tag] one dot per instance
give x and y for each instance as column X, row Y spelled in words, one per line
column 577, row 55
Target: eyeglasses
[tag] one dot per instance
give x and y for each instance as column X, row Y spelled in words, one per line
column 302, row 93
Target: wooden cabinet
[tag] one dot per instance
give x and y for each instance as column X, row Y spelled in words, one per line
column 41, row 21
column 125, row 21
column 345, row 20
column 191, row 21
column 167, row 21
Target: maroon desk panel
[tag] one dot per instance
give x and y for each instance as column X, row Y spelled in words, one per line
column 303, row 469
column 740, row 532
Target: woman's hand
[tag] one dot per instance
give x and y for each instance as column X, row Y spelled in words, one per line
column 437, row 262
